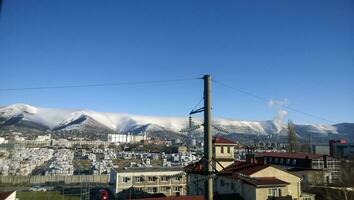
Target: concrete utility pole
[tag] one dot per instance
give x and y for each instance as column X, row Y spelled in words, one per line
column 208, row 148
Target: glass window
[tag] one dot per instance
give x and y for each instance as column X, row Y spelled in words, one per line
column 163, row 178
column 274, row 192
column 124, row 179
column 151, row 179
column 222, row 183
column 228, row 149
column 222, row 149
column 138, row 179
column 177, row 178
column 163, row 189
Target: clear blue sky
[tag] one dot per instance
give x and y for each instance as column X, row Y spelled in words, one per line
column 299, row 50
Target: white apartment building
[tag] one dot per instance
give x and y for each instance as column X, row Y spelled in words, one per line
column 126, row 138
column 140, row 182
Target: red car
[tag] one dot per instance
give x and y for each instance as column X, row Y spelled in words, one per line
column 103, row 194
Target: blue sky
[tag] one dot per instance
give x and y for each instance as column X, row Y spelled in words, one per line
column 298, row 50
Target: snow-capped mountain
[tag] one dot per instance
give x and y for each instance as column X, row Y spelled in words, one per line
column 59, row 119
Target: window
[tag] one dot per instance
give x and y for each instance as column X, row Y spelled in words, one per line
column 274, row 192
column 294, row 162
column 138, row 179
column 125, row 179
column 151, row 179
column 163, row 178
column 222, row 183
column 288, row 161
column 222, row 150
column 150, row 190
column 228, row 149
column 163, row 189
column 232, row 186
column 176, row 189
column 177, row 178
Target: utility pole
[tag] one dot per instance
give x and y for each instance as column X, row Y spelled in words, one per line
column 208, row 148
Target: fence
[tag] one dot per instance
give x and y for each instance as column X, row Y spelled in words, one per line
column 101, row 179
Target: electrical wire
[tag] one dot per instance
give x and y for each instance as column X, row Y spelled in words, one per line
column 97, row 85
column 266, row 101
column 200, row 101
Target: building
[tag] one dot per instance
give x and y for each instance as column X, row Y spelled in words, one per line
column 250, row 180
column 320, row 149
column 341, row 149
column 223, row 152
column 43, row 138
column 126, row 138
column 305, row 164
column 147, row 181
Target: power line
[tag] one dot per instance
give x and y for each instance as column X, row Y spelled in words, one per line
column 97, row 85
column 266, row 101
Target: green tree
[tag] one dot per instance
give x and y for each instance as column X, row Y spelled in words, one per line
column 292, row 145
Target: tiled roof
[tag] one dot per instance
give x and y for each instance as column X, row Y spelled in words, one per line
column 222, row 140
column 4, row 195
column 290, row 155
column 265, row 181
column 243, row 168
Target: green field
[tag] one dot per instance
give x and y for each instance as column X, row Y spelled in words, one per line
column 44, row 196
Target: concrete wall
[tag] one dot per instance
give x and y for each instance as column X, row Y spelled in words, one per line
column 43, row 179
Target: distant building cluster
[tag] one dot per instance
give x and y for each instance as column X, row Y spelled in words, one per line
column 61, row 163
column 22, row 161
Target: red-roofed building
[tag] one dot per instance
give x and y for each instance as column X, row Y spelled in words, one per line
column 223, row 152
column 250, row 180
column 304, row 162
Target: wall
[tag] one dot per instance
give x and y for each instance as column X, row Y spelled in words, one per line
column 43, row 179
column 131, row 183
column 294, row 188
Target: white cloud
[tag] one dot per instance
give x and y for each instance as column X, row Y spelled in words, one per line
column 277, row 103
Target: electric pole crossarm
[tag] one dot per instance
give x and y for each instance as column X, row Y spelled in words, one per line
column 196, row 111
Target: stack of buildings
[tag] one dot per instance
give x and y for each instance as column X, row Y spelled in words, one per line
column 248, row 179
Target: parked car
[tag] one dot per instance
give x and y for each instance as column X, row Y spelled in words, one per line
column 38, row 188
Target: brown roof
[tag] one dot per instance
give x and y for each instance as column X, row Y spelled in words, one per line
column 4, row 195
column 290, row 155
column 199, row 197
column 265, row 181
column 222, row 140
column 243, row 168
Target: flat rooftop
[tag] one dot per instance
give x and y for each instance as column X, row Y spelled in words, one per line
column 148, row 169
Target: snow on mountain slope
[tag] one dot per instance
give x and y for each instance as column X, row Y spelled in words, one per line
column 73, row 119
column 17, row 109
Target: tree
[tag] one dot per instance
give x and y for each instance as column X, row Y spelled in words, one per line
column 292, row 145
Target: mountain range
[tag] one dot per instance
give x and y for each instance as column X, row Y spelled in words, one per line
column 50, row 119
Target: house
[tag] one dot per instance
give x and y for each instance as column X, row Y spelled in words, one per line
column 143, row 182
column 250, row 180
column 223, row 152
column 305, row 164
